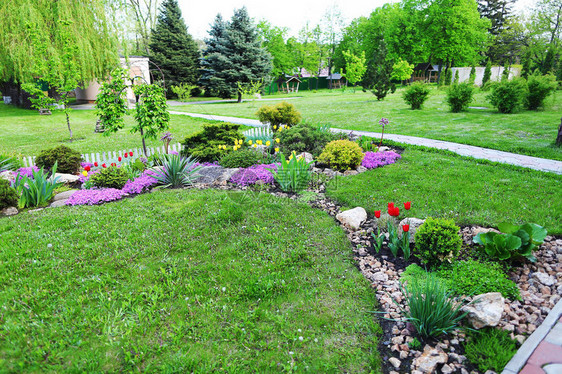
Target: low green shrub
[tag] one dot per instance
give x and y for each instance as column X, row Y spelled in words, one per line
column 8, row 195
column 204, row 145
column 111, row 177
column 539, row 87
column 437, row 241
column 416, row 94
column 472, row 277
column 279, row 114
column 342, row 155
column 459, row 96
column 508, row 95
column 242, row 158
column 490, row 349
column 305, row 138
column 430, row 307
column 68, row 159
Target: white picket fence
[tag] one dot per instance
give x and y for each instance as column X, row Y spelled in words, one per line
column 104, row 156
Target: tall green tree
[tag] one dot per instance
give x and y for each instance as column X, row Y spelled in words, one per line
column 355, row 67
column 234, row 55
column 497, row 11
column 274, row 40
column 380, row 69
column 172, row 48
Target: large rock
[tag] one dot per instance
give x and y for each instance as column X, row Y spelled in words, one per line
column 547, row 280
column 485, row 310
column 414, row 223
column 8, row 175
column 63, row 195
column 353, row 218
column 307, row 157
column 225, row 176
column 430, row 358
column 68, row 179
column 58, row 203
column 10, row 211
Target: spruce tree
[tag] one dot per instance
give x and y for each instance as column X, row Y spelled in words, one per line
column 381, row 70
column 235, row 56
column 457, row 77
column 487, row 73
column 472, row 76
column 448, row 75
column 172, row 48
column 548, row 63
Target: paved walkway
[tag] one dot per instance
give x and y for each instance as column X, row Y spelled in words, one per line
column 535, row 163
column 542, row 351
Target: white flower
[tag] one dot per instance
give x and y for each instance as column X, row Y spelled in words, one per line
column 301, row 338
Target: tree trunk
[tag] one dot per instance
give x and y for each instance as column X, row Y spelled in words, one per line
column 68, row 121
column 239, row 97
column 143, row 143
column 559, row 137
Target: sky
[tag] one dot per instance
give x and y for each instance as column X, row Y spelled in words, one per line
column 294, row 14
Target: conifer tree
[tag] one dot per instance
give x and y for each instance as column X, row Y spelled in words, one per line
column 381, row 69
column 234, row 56
column 487, row 73
column 172, row 48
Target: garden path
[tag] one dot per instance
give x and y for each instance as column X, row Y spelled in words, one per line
column 535, row 163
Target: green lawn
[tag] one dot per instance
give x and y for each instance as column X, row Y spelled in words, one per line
column 526, row 132
column 26, row 132
column 445, row 185
column 183, row 281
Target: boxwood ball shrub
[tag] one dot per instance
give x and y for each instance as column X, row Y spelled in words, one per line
column 437, row 241
column 416, row 94
column 282, row 113
column 341, row 155
column 304, row 138
column 508, row 96
column 67, row 158
column 8, row 195
column 459, row 96
column 204, row 145
column 111, row 177
column 242, row 158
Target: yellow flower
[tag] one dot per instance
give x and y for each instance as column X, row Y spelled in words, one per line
column 235, row 148
column 277, row 140
column 290, row 157
column 249, row 142
column 276, row 149
column 240, row 141
column 85, row 173
column 259, row 142
column 255, row 145
column 280, row 128
column 274, row 127
column 268, row 143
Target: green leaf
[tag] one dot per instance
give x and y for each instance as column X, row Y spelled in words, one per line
column 508, row 228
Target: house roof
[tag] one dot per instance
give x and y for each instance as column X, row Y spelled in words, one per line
column 334, row 76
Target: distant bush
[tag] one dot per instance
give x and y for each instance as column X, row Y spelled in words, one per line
column 342, row 155
column 459, row 96
column 242, row 158
column 204, row 145
column 8, row 195
column 279, row 114
column 508, row 95
column 67, row 158
column 305, row 138
column 437, row 241
column 539, row 87
column 111, row 177
column 416, row 94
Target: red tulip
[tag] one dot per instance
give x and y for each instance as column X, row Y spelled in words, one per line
column 87, row 168
column 131, row 154
column 406, row 228
column 390, row 205
column 103, row 165
column 378, row 213
column 394, row 211
column 119, row 159
column 126, row 155
column 407, row 205
column 113, row 164
column 95, row 164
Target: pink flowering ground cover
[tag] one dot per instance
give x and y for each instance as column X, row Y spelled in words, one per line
column 377, row 159
column 253, row 174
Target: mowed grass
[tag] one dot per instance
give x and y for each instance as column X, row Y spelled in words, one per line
column 27, row 133
column 446, row 185
column 183, row 281
column 525, row 132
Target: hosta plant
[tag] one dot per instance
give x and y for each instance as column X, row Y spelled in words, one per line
column 37, row 190
column 176, row 171
column 292, row 174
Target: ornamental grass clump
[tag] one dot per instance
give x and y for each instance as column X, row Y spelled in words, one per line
column 430, row 307
column 292, row 174
column 36, row 191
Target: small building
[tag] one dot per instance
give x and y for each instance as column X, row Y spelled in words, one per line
column 288, row 84
column 425, row 72
column 335, row 80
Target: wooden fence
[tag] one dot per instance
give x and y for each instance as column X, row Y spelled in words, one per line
column 105, row 156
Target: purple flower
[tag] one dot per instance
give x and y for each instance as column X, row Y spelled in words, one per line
column 377, row 159
column 84, row 164
column 140, row 184
column 167, row 137
column 173, row 153
column 253, row 174
column 383, row 122
column 27, row 172
column 95, row 197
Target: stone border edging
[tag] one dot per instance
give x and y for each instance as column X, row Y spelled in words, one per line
column 526, row 350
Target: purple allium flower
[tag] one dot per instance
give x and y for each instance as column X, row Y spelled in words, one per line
column 383, row 122
column 377, row 159
column 95, row 197
column 173, row 153
column 140, row 184
column 253, row 174
column 167, row 137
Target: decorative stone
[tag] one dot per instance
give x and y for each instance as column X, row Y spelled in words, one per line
column 485, row 310
column 361, row 169
column 68, row 179
column 430, row 358
column 307, row 157
column 350, row 172
column 64, row 195
column 414, row 223
column 547, row 280
column 383, row 149
column 8, row 175
column 394, row 362
column 58, row 203
column 353, row 218
column 10, row 211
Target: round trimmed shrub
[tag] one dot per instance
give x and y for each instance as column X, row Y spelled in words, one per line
column 67, row 158
column 459, row 96
column 279, row 114
column 437, row 241
column 8, row 195
column 539, row 88
column 416, row 94
column 508, row 96
column 243, row 158
column 342, row 155
column 111, row 177
column 305, row 138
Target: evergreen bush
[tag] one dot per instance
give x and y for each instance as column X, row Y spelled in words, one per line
column 242, row 158
column 539, row 87
column 67, row 158
column 111, row 177
column 8, row 195
column 459, row 96
column 508, row 96
column 342, row 155
column 279, row 114
column 204, row 145
column 305, row 138
column 437, row 241
column 416, row 94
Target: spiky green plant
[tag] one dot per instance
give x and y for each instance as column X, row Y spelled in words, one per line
column 37, row 190
column 176, row 171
